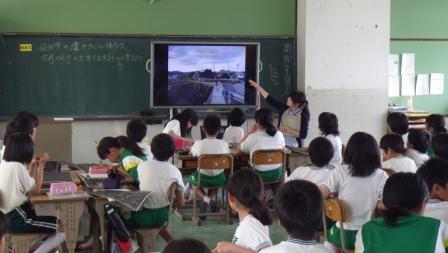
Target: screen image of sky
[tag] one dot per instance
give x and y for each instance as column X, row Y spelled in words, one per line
column 189, row 58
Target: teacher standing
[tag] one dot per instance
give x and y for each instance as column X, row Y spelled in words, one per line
column 294, row 115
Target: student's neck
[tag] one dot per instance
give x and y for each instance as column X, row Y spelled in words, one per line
column 395, row 155
column 301, row 239
column 243, row 213
column 210, row 136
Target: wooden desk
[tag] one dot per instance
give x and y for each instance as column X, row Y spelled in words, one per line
column 68, row 212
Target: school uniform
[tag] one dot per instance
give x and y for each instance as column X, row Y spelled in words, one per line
column 314, row 174
column 437, row 209
column 251, row 234
column 337, row 147
column 410, row 234
column 260, row 140
column 15, row 184
column 419, row 158
column 146, row 150
column 360, row 194
column 296, row 246
column 400, row 164
column 174, row 126
column 2, row 151
column 215, row 177
column 233, row 134
column 156, row 177
column 129, row 161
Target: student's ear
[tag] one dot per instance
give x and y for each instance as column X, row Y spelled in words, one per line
column 231, row 197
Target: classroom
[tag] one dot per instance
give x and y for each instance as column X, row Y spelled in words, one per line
column 206, row 126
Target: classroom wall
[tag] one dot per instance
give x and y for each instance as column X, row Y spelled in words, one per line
column 167, row 17
column 420, row 27
column 342, row 62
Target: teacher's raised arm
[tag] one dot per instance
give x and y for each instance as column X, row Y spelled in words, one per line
column 294, row 115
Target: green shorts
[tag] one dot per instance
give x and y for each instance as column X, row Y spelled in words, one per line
column 219, row 180
column 148, row 218
column 271, row 175
column 23, row 219
column 334, row 237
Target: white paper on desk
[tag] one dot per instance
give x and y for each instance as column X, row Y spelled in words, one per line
column 422, row 86
column 394, row 86
column 394, row 61
column 437, row 83
column 407, row 64
column 408, row 85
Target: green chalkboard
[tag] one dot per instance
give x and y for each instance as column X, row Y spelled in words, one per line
column 54, row 75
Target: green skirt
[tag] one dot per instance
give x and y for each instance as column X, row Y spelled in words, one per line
column 148, row 218
column 219, row 180
column 271, row 175
column 334, row 237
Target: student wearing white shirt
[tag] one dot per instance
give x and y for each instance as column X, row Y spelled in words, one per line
column 435, row 174
column 209, row 178
column 136, row 131
column 359, row 183
column 321, row 152
column 245, row 190
column 417, row 145
column 394, row 154
column 156, row 176
column 16, row 182
column 179, row 127
column 328, row 126
column 234, row 133
column 397, row 123
column 19, row 124
column 264, row 135
column 298, row 205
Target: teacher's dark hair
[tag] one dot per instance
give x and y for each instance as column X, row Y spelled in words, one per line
column 265, row 119
column 299, row 98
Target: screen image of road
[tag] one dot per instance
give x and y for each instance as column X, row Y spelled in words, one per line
column 206, row 75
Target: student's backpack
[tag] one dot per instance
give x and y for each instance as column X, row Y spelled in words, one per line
column 118, row 236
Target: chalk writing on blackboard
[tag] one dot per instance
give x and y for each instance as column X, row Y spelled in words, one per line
column 90, row 58
column 76, row 46
column 273, row 74
column 287, row 60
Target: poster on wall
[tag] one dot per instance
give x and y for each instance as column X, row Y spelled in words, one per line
column 408, row 85
column 394, row 86
column 422, row 86
column 437, row 83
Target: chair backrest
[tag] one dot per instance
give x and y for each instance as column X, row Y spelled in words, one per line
column 335, row 210
column 269, row 156
column 389, row 172
column 215, row 161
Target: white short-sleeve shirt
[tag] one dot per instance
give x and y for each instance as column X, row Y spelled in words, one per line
column 314, row 174
column 233, row 134
column 210, row 146
column 296, row 246
column 419, row 158
column 157, row 177
column 174, row 126
column 146, row 149
column 15, row 183
column 252, row 234
column 260, row 140
column 437, row 209
column 337, row 147
column 361, row 194
column 400, row 164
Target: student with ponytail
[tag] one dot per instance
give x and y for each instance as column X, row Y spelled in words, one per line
column 245, row 197
column 402, row 229
column 125, row 151
column 264, row 135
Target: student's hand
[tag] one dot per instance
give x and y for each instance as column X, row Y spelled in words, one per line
column 42, row 159
column 284, row 128
column 190, row 142
column 254, row 84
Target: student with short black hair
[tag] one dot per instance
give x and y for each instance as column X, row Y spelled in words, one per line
column 439, row 144
column 398, row 123
column 245, row 193
column 417, row 146
column 16, row 125
column 329, row 128
column 234, row 133
column 298, row 205
column 402, row 229
column 359, row 183
column 209, row 178
column 16, row 182
column 435, row 124
column 394, row 154
column 125, row 151
column 321, row 153
column 179, row 127
column 435, row 174
column 136, row 131
column 156, row 176
column 187, row 245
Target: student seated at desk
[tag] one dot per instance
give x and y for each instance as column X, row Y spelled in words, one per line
column 435, row 125
column 179, row 127
column 397, row 123
column 417, row 146
column 234, row 133
column 156, row 176
column 329, row 128
column 3, row 231
column 394, row 154
column 264, row 135
column 136, row 131
column 321, row 152
column 124, row 150
column 17, row 125
column 33, row 118
column 209, row 145
column 16, row 182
